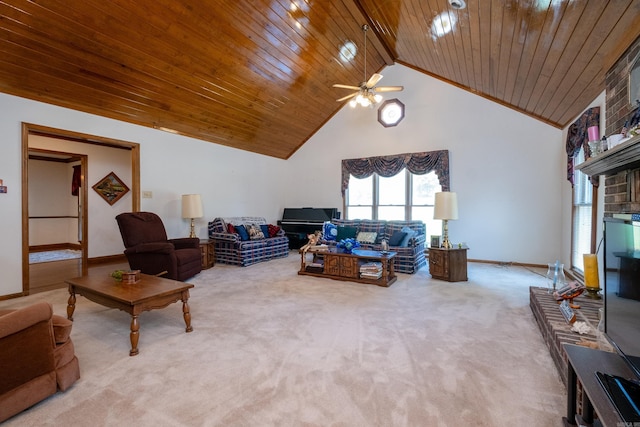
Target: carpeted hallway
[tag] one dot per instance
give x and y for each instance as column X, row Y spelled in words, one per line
column 271, row 348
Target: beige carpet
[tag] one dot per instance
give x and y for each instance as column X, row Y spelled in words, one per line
column 271, row 348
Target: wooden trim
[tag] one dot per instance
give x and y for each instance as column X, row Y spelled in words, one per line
column 55, row 247
column 54, row 217
column 50, row 159
column 135, row 177
column 78, row 137
column 107, row 259
column 509, row 263
column 29, row 129
column 11, row 296
column 25, row 209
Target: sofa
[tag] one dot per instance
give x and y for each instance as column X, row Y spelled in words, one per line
column 246, row 241
column 37, row 357
column 369, row 233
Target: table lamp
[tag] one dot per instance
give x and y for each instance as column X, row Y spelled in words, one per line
column 192, row 208
column 445, row 208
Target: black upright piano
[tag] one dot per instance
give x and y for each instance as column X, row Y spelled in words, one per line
column 297, row 223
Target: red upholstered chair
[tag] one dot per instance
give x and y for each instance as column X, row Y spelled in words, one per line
column 148, row 249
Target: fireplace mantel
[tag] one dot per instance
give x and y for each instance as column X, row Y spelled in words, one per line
column 621, row 157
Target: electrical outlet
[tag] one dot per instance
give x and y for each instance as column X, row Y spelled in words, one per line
column 147, row 194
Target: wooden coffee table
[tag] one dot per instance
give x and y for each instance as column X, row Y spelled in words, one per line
column 149, row 293
column 346, row 267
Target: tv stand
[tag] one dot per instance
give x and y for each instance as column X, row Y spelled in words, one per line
column 583, row 363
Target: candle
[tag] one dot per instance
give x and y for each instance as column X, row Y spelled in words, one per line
column 591, row 279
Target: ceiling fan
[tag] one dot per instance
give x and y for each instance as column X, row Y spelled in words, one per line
column 366, row 94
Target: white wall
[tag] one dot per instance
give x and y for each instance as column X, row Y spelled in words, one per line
column 50, row 195
column 507, row 168
column 232, row 182
column 103, row 235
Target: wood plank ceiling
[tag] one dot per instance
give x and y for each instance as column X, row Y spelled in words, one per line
column 257, row 75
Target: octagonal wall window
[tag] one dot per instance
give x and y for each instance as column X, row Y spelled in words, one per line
column 391, row 112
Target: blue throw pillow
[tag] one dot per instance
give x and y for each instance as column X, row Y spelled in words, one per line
column 410, row 234
column 329, row 231
column 242, row 232
column 265, row 229
column 396, row 238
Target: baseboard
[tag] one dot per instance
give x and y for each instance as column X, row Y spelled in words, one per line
column 109, row 259
column 55, row 247
column 506, row 263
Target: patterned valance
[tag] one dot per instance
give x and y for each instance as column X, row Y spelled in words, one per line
column 577, row 137
column 416, row 163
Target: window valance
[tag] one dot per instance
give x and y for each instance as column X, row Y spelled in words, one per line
column 577, row 137
column 416, row 163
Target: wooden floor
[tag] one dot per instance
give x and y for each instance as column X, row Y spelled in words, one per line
column 46, row 276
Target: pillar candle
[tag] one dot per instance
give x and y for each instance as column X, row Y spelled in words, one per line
column 591, row 278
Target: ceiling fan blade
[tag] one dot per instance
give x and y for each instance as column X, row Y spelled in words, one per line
column 388, row 88
column 347, row 87
column 374, row 80
column 347, row 97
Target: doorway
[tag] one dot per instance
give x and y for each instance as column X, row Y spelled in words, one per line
column 50, row 275
column 56, row 215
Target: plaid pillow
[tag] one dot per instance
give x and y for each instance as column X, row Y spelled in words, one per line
column 273, row 230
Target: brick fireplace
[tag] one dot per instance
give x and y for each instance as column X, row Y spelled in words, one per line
column 622, row 189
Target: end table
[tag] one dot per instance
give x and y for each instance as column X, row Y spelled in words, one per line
column 208, row 254
column 448, row 264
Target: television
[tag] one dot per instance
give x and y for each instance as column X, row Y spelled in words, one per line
column 622, row 311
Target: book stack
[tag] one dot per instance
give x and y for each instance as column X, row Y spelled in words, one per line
column 371, row 270
column 314, row 267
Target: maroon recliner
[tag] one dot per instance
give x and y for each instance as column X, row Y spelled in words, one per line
column 148, row 249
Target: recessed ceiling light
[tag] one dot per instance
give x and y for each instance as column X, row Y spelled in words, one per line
column 443, row 24
column 458, row 4
column 348, row 51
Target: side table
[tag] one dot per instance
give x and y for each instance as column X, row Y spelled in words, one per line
column 208, row 253
column 448, row 264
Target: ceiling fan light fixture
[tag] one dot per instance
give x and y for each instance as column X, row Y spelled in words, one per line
column 365, row 93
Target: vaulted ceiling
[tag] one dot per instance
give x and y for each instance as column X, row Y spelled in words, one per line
column 257, row 75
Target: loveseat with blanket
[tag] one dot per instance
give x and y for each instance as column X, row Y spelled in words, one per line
column 406, row 238
column 247, row 240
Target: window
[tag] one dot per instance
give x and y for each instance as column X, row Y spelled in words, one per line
column 404, row 196
column 582, row 235
column 391, row 113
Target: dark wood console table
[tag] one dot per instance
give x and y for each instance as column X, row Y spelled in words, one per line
column 583, row 362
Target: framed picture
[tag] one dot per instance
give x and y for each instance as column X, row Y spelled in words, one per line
column 435, row 241
column 111, row 188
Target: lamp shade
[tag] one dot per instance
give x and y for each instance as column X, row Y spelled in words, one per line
column 446, row 205
column 191, row 206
